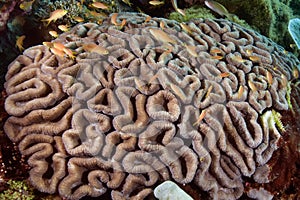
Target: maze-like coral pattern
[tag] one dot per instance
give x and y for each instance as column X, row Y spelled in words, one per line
column 189, row 102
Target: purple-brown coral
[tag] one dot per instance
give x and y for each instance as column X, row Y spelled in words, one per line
column 150, row 110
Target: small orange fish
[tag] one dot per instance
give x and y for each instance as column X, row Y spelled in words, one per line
column 162, row 36
column 95, row 49
column 240, row 92
column 254, row 58
column 48, row 44
column 156, row 3
column 238, row 59
column 209, row 91
column 191, row 50
column 218, row 8
column 19, row 42
column 175, row 6
column 57, row 52
column 59, row 46
column 53, row 34
column 252, row 86
column 296, row 73
column 148, row 18
column 63, row 28
column 96, row 14
column 284, row 80
column 215, row 51
column 78, row 19
column 200, row 118
column 224, row 74
column 113, row 19
column 217, row 57
column 99, row 5
column 269, row 77
column 186, row 28
column 57, row 14
column 162, row 25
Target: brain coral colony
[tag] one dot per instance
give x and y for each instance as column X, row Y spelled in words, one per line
column 206, row 104
column 122, row 107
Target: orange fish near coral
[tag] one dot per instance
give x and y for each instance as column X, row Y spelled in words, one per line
column 57, row 52
column 215, row 51
column 63, row 28
column 200, row 118
column 99, row 5
column 57, row 14
column 162, row 36
column 53, row 34
column 113, row 19
column 78, row 19
column 95, row 49
column 186, row 28
column 175, row 6
column 19, row 42
column 218, row 8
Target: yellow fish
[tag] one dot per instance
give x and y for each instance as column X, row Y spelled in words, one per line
column 78, row 19
column 240, row 92
column 19, row 42
column 57, row 14
column 26, row 5
column 53, row 34
column 69, row 53
column 63, row 28
column 186, row 28
column 238, row 59
column 218, row 8
column 156, row 3
column 127, row 2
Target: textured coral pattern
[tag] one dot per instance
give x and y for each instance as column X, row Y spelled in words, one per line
column 192, row 103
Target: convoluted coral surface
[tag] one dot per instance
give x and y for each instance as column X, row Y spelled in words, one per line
column 197, row 103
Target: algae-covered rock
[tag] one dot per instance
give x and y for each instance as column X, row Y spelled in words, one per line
column 194, row 12
column 268, row 17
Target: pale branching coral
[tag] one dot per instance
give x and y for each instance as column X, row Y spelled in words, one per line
column 197, row 104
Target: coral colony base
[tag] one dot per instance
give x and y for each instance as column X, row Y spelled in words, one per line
column 121, row 107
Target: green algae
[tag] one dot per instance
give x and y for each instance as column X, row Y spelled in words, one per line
column 194, row 12
column 17, row 190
